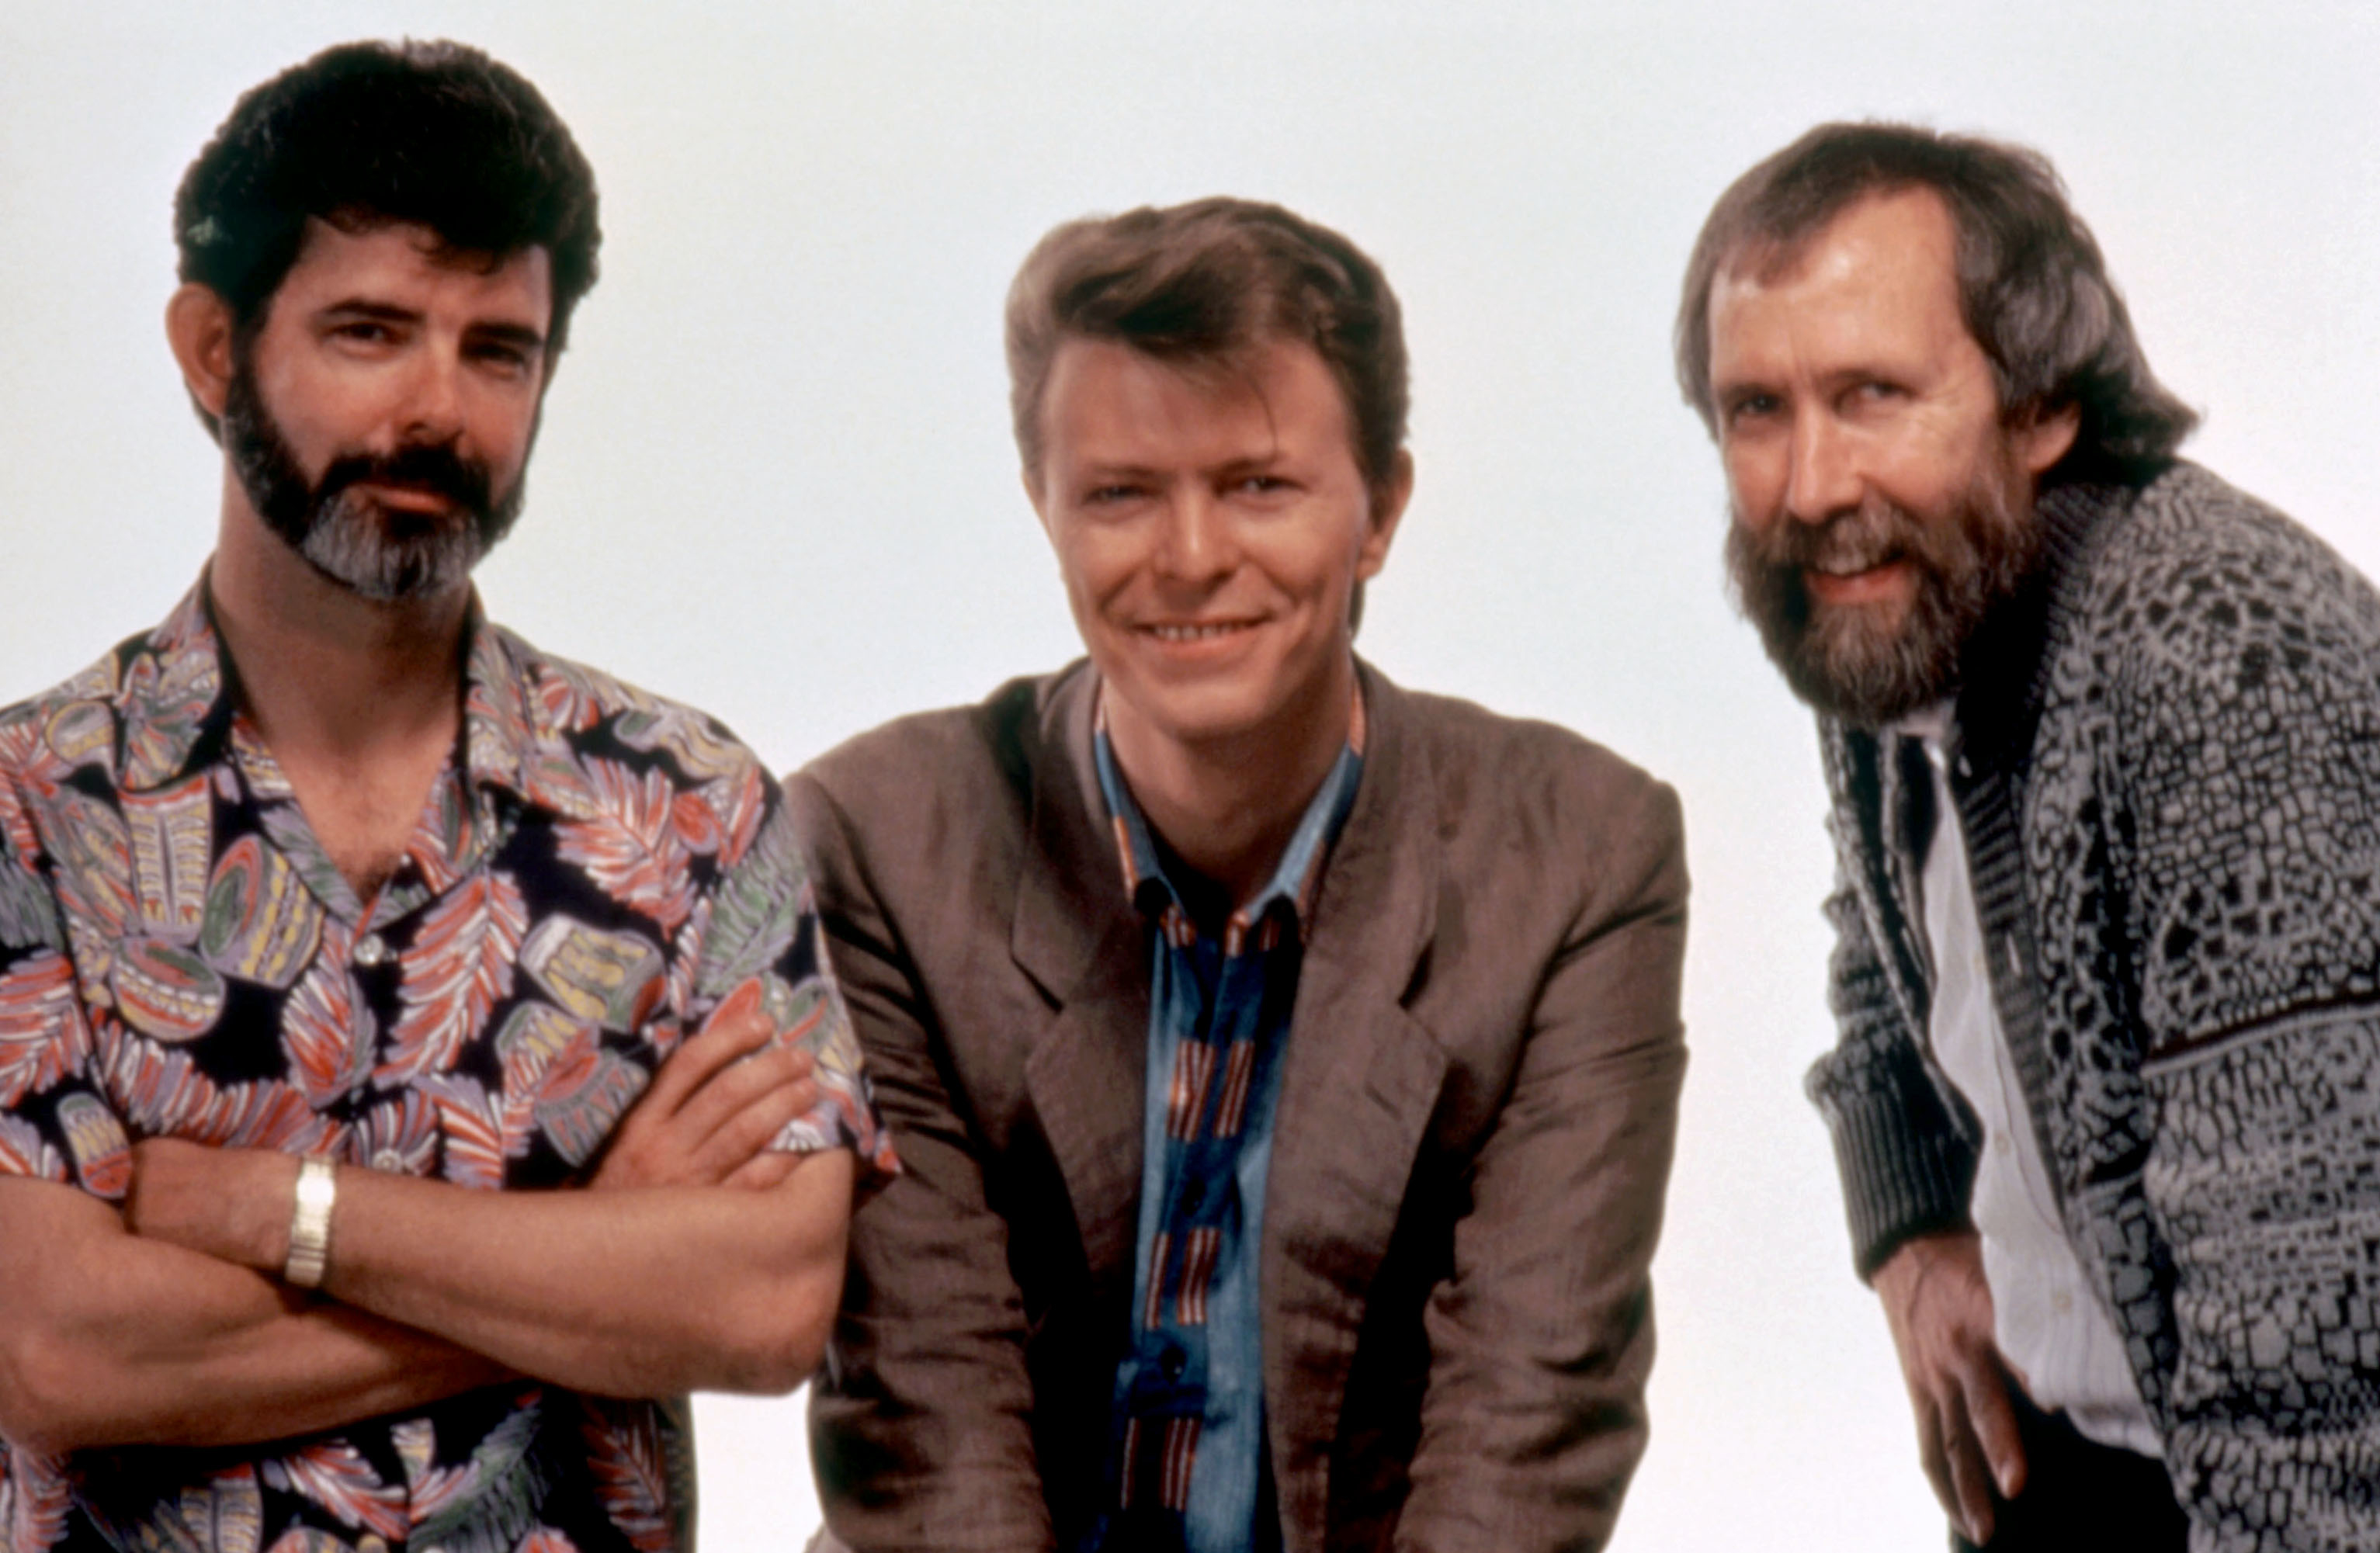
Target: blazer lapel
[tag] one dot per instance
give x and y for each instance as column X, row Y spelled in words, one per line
column 1360, row 1084
column 1081, row 939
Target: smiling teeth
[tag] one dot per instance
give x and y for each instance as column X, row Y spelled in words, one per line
column 1189, row 632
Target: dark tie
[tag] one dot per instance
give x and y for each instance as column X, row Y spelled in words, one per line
column 1919, row 813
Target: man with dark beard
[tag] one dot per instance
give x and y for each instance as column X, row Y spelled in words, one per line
column 339, row 928
column 2103, row 740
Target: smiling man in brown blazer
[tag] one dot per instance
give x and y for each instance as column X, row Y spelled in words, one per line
column 1284, row 1065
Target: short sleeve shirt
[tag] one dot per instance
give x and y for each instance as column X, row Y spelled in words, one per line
column 597, row 873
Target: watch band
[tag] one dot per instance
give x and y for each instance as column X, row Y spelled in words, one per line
column 310, row 1222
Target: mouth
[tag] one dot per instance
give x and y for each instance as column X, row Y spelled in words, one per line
column 409, row 498
column 1867, row 579
column 1189, row 631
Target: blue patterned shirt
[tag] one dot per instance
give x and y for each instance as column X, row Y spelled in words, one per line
column 1188, row 1456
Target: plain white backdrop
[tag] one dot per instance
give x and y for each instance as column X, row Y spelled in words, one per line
column 776, row 478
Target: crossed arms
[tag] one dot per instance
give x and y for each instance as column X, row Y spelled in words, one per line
column 695, row 1260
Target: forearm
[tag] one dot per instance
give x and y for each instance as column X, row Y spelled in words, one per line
column 1904, row 1160
column 643, row 1292
column 1534, row 1417
column 922, row 1428
column 923, row 1436
column 1541, row 1339
column 107, row 1339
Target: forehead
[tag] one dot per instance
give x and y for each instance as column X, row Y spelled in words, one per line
column 1884, row 272
column 1105, row 398
column 406, row 263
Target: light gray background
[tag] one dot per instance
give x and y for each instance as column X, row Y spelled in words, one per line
column 776, row 478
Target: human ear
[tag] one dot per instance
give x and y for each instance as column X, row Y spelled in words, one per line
column 199, row 328
column 2048, row 438
column 1388, row 499
column 1034, row 492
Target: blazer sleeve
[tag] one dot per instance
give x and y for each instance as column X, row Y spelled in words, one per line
column 1542, row 1338
column 921, row 1419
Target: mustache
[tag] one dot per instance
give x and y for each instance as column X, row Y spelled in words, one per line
column 1868, row 534
column 435, row 468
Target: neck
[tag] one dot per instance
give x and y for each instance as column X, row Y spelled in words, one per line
column 323, row 671
column 1227, row 807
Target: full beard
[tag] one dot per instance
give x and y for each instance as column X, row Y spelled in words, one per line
column 388, row 556
column 1852, row 662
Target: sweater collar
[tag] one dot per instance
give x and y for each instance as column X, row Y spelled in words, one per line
column 2004, row 668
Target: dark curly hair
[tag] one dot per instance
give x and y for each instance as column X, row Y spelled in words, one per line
column 435, row 134
column 2032, row 283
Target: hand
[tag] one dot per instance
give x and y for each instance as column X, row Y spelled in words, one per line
column 718, row 1102
column 1941, row 1312
column 231, row 1204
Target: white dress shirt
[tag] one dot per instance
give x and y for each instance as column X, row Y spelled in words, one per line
column 2050, row 1326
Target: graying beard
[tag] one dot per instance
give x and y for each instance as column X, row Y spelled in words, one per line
column 341, row 544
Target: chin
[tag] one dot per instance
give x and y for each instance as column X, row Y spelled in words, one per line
column 1196, row 715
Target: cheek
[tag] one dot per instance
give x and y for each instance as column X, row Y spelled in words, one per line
column 1096, row 564
column 1754, row 480
column 507, row 426
column 1322, row 555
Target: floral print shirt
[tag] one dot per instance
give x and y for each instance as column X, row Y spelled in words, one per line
column 596, row 872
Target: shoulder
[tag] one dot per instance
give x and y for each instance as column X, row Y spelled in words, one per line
column 953, row 780
column 590, row 711
column 1532, row 807
column 932, row 754
column 70, row 725
column 2205, row 582
column 982, row 754
column 1488, row 769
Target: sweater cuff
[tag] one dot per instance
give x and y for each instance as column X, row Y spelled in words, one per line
column 1901, row 1177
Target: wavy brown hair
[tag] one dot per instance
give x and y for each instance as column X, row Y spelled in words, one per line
column 2032, row 283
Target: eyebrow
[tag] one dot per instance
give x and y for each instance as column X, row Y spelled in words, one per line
column 357, row 307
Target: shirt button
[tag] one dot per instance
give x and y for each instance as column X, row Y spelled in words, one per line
column 1172, row 1362
column 2061, row 1301
column 371, row 950
column 2000, row 1144
column 1194, row 1196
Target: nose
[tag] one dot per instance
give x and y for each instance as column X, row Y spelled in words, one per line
column 432, row 410
column 1825, row 479
column 1195, row 541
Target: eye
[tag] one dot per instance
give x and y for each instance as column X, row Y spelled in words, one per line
column 1750, row 406
column 364, row 331
column 1112, row 494
column 1879, row 390
column 511, row 360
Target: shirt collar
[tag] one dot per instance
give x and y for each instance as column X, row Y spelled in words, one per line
column 1932, row 723
column 173, row 697
column 1295, row 878
column 176, row 694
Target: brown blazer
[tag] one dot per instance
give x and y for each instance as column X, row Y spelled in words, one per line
column 1476, row 1121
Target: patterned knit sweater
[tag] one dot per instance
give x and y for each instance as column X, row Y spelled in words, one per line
column 2168, row 771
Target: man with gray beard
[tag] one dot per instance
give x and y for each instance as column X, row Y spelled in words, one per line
column 2102, row 736
column 418, row 1066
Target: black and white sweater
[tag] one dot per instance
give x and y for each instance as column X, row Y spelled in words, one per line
column 2167, row 770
